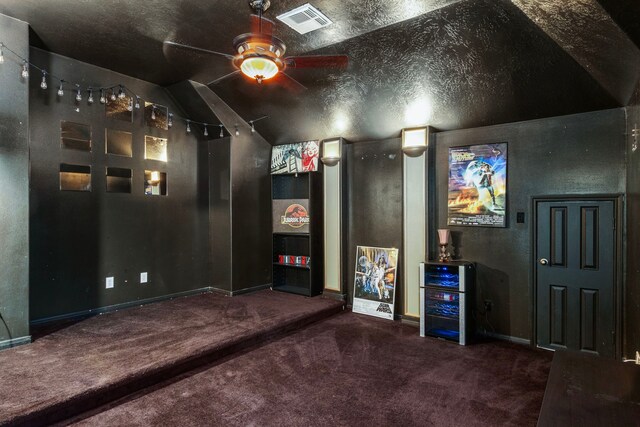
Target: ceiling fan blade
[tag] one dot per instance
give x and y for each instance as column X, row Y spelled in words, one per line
column 289, row 82
column 197, row 49
column 261, row 26
column 218, row 80
column 319, row 61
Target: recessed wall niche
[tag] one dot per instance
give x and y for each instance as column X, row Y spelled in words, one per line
column 155, row 148
column 118, row 109
column 155, row 183
column 119, row 180
column 75, row 136
column 75, row 177
column 119, row 143
column 155, row 116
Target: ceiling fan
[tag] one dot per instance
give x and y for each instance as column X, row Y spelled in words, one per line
column 260, row 55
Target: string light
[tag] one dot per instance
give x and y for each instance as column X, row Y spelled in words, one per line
column 60, row 90
column 170, row 121
column 78, row 94
column 90, row 98
column 188, row 126
column 253, row 128
column 1, row 53
column 121, row 94
column 206, row 132
column 103, row 100
column 137, row 105
column 113, row 95
column 43, row 83
column 25, row 70
column 237, row 131
column 221, row 131
column 130, row 105
column 153, row 112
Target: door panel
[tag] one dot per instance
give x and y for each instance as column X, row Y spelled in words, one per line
column 575, row 249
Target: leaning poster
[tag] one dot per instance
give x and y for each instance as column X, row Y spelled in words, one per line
column 478, row 185
column 375, row 281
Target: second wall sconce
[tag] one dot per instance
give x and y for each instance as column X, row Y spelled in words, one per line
column 414, row 141
column 331, row 151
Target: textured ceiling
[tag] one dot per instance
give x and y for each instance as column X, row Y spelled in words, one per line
column 448, row 63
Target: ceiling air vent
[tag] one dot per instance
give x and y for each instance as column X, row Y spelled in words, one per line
column 305, row 18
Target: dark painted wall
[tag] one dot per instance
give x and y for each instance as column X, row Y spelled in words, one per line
column 578, row 154
column 374, row 187
column 239, row 191
column 631, row 318
column 14, row 191
column 79, row 238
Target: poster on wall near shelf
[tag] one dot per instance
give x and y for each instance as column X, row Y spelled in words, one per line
column 374, row 289
column 478, row 185
column 291, row 216
column 295, row 158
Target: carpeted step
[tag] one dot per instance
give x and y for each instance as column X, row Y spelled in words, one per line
column 108, row 357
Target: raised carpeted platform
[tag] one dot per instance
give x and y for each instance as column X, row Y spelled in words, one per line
column 103, row 358
column 349, row 370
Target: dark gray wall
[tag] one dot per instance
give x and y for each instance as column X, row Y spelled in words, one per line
column 374, row 187
column 14, row 191
column 78, row 238
column 578, row 154
column 239, row 191
column 631, row 318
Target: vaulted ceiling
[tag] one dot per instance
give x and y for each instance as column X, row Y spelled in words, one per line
column 448, row 63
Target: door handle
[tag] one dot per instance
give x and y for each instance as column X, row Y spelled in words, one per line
column 543, row 261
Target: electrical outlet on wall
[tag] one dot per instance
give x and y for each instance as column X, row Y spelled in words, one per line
column 144, row 278
column 109, row 283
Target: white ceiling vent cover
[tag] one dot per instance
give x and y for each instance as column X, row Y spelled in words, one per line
column 305, row 18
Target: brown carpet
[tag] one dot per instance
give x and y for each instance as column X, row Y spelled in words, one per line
column 350, row 370
column 106, row 357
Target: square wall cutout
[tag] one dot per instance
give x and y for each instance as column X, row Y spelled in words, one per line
column 156, row 116
column 155, row 183
column 119, row 109
column 119, row 180
column 155, row 148
column 75, row 136
column 119, row 143
column 75, row 177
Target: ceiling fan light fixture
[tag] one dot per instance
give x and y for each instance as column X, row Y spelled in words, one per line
column 259, row 68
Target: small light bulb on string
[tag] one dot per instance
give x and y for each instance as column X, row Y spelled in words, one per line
column 137, row 105
column 113, row 95
column 103, row 99
column 153, row 112
column 43, row 83
column 253, row 128
column 188, row 126
column 237, row 131
column 78, row 94
column 90, row 98
column 1, row 53
column 25, row 70
column 121, row 94
column 206, row 131
column 60, row 90
column 170, row 121
column 130, row 105
column 221, row 131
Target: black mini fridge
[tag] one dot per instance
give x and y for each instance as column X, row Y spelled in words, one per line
column 446, row 298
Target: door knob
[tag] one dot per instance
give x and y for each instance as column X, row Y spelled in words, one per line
column 543, row 261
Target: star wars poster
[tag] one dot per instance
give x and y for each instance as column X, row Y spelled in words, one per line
column 295, row 158
column 375, row 281
column 478, row 185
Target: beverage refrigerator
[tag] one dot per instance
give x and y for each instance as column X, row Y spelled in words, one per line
column 446, row 299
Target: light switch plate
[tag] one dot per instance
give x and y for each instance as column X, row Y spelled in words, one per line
column 143, row 278
column 109, row 282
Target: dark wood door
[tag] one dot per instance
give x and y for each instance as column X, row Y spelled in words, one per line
column 575, row 275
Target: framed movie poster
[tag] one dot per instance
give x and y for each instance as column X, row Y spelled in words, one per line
column 478, row 185
column 294, row 158
column 374, row 289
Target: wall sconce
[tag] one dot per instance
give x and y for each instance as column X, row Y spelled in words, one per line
column 331, row 151
column 414, row 141
column 443, row 241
